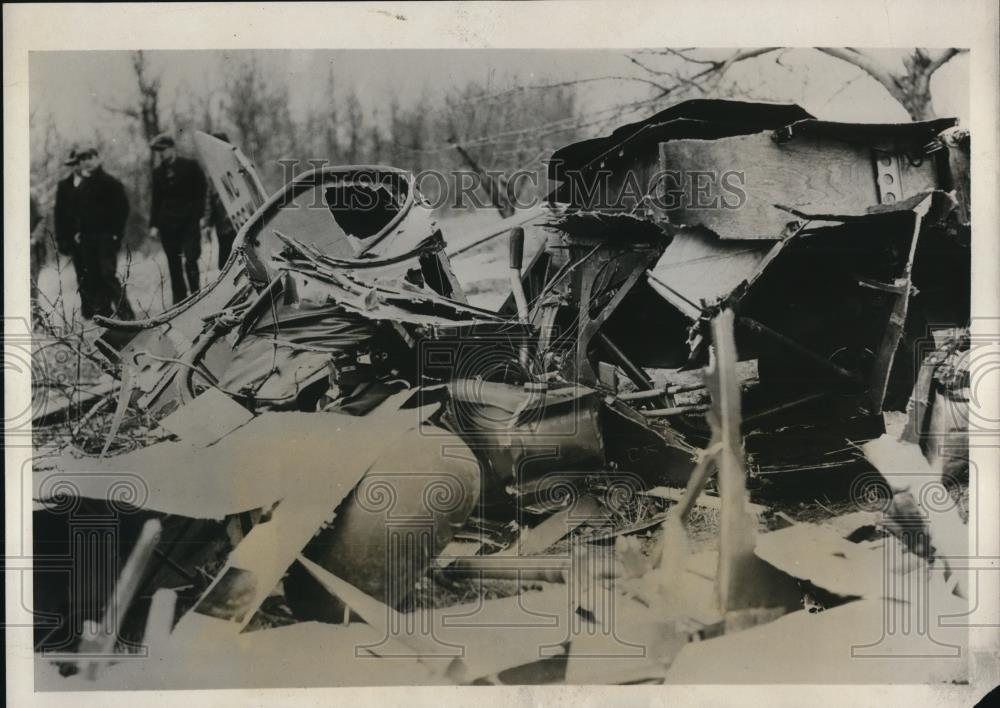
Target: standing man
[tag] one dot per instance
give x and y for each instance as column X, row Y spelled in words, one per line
column 101, row 212
column 178, row 205
column 216, row 217
column 66, row 224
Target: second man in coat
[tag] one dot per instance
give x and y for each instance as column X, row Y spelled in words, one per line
column 178, row 206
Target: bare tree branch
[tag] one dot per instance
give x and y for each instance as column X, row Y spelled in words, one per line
column 122, row 111
column 681, row 53
column 498, row 193
column 910, row 88
column 867, row 64
column 943, row 58
column 742, row 55
column 560, row 84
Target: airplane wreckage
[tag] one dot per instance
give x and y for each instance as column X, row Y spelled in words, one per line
column 335, row 417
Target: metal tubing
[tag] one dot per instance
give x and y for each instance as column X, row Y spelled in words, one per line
column 805, row 353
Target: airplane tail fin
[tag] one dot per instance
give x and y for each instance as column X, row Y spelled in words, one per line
column 233, row 177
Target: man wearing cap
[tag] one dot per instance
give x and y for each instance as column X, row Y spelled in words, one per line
column 101, row 210
column 89, row 220
column 178, row 205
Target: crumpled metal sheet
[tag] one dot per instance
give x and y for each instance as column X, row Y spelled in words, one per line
column 302, row 655
column 288, row 348
column 845, row 644
column 394, row 302
column 303, row 208
column 698, row 269
column 941, row 204
column 239, row 473
column 312, row 654
column 233, row 176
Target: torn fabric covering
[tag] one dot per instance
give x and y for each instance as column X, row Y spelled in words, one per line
column 289, row 348
column 740, row 117
column 698, row 269
column 888, row 136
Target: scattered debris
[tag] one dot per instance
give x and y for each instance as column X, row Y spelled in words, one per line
column 347, row 427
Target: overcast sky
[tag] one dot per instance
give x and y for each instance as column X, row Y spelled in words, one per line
column 74, row 87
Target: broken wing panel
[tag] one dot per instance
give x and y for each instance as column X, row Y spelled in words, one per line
column 698, row 269
column 238, row 473
column 326, row 475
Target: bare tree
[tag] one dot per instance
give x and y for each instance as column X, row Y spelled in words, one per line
column 258, row 109
column 376, row 141
column 354, row 118
column 501, row 137
column 147, row 111
column 910, row 86
column 320, row 138
column 331, row 141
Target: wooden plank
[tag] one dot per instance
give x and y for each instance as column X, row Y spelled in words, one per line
column 811, row 173
column 737, row 529
column 893, row 333
column 533, row 541
column 99, row 639
column 159, row 622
